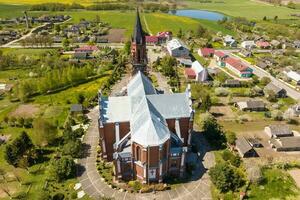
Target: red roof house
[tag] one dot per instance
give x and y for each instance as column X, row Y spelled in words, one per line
column 220, row 54
column 152, row 39
column 189, row 73
column 86, row 49
column 165, row 34
column 238, row 67
column 263, row 44
column 206, row 52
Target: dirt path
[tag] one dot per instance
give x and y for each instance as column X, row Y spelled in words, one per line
column 147, row 27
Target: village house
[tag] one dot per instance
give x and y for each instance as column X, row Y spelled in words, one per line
column 275, row 131
column 145, row 133
column 249, row 44
column 88, row 49
column 164, row 36
column 229, row 41
column 294, row 111
column 231, row 83
column 285, row 143
column 263, row 44
column 244, row 149
column 245, row 53
column 278, row 91
column 186, row 62
column 238, row 68
column 177, row 48
column 152, row 39
column 294, row 76
column 197, row 72
column 296, row 44
column 206, row 52
column 220, row 57
column 275, row 43
column 251, row 105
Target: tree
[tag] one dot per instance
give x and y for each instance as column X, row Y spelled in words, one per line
column 265, row 81
column 225, row 177
column 179, row 34
column 271, row 96
column 213, row 132
column 21, row 147
column 230, row 137
column 73, row 148
column 63, row 168
column 205, row 102
column 127, row 47
column 57, row 28
column 80, row 98
column 265, row 18
column 65, row 43
column 276, row 18
column 44, row 131
column 291, row 5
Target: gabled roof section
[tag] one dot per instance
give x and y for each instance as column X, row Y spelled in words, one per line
column 138, row 34
column 148, row 127
column 140, row 85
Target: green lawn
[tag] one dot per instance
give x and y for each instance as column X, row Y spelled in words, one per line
column 244, row 8
column 277, row 184
column 12, row 10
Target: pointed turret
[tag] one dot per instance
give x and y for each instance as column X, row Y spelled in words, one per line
column 138, row 34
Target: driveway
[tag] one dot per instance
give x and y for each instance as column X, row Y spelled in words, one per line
column 92, row 184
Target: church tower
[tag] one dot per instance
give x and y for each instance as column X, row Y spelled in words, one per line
column 138, row 46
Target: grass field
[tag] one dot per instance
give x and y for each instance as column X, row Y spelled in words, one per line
column 244, row 8
column 277, row 184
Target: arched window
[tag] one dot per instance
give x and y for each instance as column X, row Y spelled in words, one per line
column 138, row 153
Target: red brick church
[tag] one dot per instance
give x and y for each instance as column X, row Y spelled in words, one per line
column 145, row 134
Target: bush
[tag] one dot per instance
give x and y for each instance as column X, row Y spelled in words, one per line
column 221, row 92
column 63, row 168
column 225, row 177
column 58, row 196
column 135, row 185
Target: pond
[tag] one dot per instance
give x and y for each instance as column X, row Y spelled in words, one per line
column 198, row 14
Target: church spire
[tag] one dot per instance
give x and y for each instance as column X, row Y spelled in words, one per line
column 138, row 34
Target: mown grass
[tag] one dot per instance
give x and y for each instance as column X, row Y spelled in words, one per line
column 11, row 10
column 244, row 8
column 276, row 184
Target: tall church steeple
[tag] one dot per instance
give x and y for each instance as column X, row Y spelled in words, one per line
column 138, row 46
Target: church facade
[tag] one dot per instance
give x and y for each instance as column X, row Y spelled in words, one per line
column 145, row 134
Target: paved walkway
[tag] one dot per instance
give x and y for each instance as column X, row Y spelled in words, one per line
column 197, row 189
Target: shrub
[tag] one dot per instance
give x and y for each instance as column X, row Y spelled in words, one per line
column 225, row 177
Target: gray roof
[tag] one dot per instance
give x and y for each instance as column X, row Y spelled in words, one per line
column 243, row 145
column 146, row 111
column 251, row 104
column 280, row 130
column 76, row 108
column 286, row 142
column 274, row 88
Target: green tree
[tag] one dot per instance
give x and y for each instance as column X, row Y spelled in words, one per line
column 265, row 81
column 65, row 43
column 180, row 33
column 80, row 98
column 44, row 132
column 291, row 5
column 73, row 148
column 127, row 47
column 230, row 137
column 225, row 177
column 213, row 132
column 63, row 168
column 205, row 102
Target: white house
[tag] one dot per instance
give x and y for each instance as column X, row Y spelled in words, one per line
column 229, row 41
column 177, row 48
column 294, row 76
column 200, row 71
column 248, row 44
